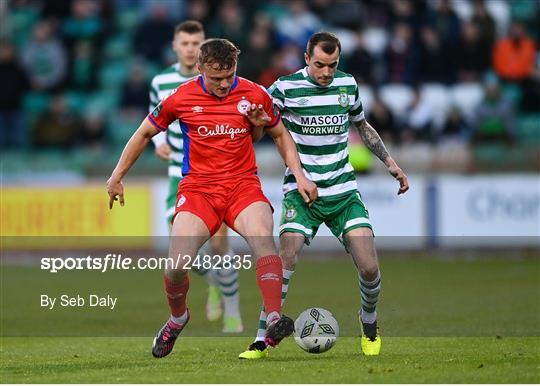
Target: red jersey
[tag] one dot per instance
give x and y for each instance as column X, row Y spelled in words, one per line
column 216, row 132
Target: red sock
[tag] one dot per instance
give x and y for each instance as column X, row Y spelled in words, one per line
column 176, row 295
column 269, row 270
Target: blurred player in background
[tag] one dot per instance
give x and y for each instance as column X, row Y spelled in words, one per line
column 223, row 284
column 317, row 103
column 218, row 112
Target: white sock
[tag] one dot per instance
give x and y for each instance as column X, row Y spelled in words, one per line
column 272, row 317
column 368, row 317
column 229, row 285
column 261, row 331
column 180, row 319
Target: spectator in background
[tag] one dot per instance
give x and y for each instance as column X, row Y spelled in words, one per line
column 258, row 51
column 434, row 61
column 446, row 22
column 83, row 32
column 44, row 58
column 84, row 25
column 419, row 120
column 455, row 128
column 199, row 10
column 360, row 64
column 472, row 55
column 401, row 55
column 83, row 74
column 485, row 23
column 93, row 131
column 279, row 65
column 410, row 12
column 175, row 8
column 341, row 13
column 230, row 24
column 530, row 101
column 514, row 56
column 297, row 25
column 153, row 36
column 134, row 99
column 494, row 119
column 57, row 128
column 382, row 118
column 14, row 83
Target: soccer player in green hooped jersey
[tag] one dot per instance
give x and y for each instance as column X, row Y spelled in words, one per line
column 318, row 104
column 223, row 283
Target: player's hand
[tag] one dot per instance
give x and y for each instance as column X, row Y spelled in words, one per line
column 307, row 189
column 399, row 175
column 115, row 189
column 163, row 151
column 257, row 116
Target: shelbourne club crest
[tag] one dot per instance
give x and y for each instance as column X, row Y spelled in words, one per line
column 243, row 106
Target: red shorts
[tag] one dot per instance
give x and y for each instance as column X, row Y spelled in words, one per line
column 219, row 201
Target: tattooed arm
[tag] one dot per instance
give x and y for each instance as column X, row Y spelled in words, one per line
column 374, row 143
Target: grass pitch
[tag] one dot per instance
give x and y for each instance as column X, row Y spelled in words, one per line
column 213, row 360
column 442, row 322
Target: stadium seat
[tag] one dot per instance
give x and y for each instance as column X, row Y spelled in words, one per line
column 513, row 92
column 118, row 47
column 19, row 22
column 375, row 40
column 127, row 19
column 104, row 101
column 467, row 96
column 463, row 9
column 501, row 158
column 77, row 101
column 500, row 12
column 366, row 96
column 121, row 129
column 523, row 9
column 528, row 128
column 35, row 103
column 397, row 97
column 439, row 98
column 113, row 74
column 347, row 39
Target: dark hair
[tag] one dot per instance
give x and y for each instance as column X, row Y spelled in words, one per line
column 327, row 41
column 219, row 51
column 189, row 26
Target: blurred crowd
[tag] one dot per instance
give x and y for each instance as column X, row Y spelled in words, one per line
column 76, row 73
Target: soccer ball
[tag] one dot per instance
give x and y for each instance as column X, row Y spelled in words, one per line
column 316, row 330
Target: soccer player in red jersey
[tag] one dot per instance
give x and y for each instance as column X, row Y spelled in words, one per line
column 219, row 114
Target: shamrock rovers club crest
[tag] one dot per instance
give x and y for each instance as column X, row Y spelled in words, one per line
column 343, row 97
column 290, row 213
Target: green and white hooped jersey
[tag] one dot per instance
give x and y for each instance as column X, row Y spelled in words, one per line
column 162, row 85
column 318, row 120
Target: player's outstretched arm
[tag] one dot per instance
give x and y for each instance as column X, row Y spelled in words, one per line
column 375, row 144
column 134, row 147
column 287, row 149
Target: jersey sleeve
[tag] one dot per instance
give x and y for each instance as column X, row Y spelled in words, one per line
column 154, row 96
column 277, row 95
column 161, row 137
column 270, row 108
column 164, row 113
column 357, row 112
